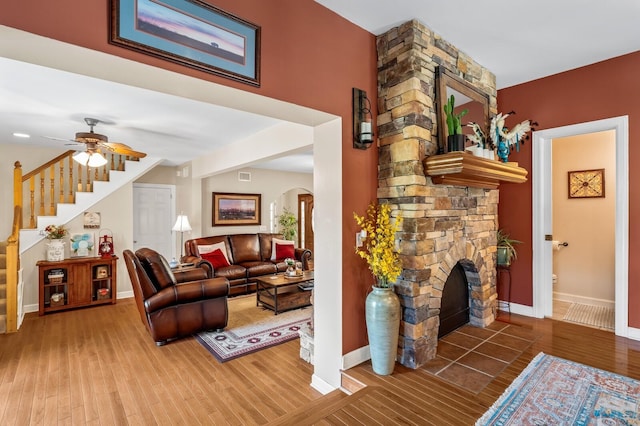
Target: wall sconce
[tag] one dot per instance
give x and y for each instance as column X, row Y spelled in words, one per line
column 362, row 133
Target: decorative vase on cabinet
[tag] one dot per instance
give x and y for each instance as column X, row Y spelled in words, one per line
column 382, row 311
column 55, row 250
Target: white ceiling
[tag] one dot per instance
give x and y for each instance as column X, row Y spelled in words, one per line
column 50, row 105
column 519, row 41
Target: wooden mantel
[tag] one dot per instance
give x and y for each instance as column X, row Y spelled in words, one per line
column 464, row 169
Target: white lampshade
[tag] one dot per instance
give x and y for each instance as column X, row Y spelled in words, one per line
column 95, row 159
column 182, row 224
column 81, row 157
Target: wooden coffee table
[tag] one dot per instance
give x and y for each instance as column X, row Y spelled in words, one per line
column 280, row 293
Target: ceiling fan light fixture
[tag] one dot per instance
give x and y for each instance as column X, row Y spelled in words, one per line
column 81, row 157
column 94, row 159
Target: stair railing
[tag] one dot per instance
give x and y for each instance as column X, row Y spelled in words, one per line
column 57, row 181
column 13, row 268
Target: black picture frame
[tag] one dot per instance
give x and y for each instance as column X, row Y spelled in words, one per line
column 191, row 33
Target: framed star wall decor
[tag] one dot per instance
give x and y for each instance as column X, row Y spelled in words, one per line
column 586, row 184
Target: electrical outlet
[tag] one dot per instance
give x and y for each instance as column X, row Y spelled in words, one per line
column 359, row 239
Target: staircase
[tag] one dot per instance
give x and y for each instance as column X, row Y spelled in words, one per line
column 3, row 287
column 54, row 193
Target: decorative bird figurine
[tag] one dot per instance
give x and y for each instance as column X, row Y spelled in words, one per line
column 478, row 136
column 505, row 138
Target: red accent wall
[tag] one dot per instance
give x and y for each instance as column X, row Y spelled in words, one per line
column 598, row 91
column 309, row 56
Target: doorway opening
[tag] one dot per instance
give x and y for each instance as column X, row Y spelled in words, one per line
column 583, row 198
column 543, row 218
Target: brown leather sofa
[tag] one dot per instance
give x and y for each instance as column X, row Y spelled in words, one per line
column 174, row 305
column 249, row 256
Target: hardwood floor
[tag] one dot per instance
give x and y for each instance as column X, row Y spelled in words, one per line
column 99, row 366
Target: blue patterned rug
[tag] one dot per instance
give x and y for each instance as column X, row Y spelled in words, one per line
column 554, row 391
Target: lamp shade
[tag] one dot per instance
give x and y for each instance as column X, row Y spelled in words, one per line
column 182, row 224
column 95, row 159
column 81, row 157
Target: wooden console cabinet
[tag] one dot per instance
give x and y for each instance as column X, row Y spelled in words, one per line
column 77, row 282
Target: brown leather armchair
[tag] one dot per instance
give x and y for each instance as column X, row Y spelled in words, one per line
column 175, row 305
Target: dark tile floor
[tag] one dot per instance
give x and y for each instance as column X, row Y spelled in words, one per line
column 471, row 357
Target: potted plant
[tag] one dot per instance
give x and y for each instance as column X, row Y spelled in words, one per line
column 382, row 308
column 506, row 249
column 55, row 246
column 455, row 138
column 288, row 224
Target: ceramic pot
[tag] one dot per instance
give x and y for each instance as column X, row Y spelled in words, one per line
column 475, row 150
column 489, row 154
column 55, row 250
column 504, row 256
column 455, row 143
column 382, row 310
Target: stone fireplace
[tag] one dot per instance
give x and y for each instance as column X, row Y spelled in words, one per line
column 442, row 224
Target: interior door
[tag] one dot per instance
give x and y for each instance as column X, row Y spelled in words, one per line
column 153, row 212
column 305, row 221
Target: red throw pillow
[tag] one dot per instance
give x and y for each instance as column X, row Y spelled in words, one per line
column 284, row 250
column 216, row 257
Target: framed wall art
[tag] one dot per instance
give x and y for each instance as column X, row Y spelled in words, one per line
column 91, row 220
column 191, row 33
column 235, row 209
column 586, row 183
column 82, row 244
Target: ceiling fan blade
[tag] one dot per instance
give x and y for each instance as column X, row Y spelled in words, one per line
column 123, row 149
column 61, row 139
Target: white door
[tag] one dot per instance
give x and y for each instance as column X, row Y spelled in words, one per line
column 153, row 213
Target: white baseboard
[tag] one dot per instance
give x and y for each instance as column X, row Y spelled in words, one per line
column 31, row 308
column 124, row 294
column 320, row 385
column 573, row 298
column 524, row 310
column 356, row 357
column 633, row 333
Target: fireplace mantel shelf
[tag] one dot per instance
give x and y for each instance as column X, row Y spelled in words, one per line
column 464, row 169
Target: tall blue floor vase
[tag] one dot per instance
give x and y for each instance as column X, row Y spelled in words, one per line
column 382, row 310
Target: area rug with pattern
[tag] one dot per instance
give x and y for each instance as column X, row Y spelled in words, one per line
column 249, row 338
column 594, row 316
column 554, row 391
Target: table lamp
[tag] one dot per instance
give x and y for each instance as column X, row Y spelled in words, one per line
column 182, row 226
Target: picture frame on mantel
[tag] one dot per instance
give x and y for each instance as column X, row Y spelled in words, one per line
column 190, row 33
column 231, row 209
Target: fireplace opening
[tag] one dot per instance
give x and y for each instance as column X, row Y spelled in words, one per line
column 454, row 305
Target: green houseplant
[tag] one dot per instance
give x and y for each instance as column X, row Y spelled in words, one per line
column 455, row 138
column 288, row 224
column 506, row 249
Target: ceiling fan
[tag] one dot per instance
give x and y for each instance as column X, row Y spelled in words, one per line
column 94, row 142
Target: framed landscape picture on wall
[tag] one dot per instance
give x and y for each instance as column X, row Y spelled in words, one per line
column 235, row 209
column 189, row 32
